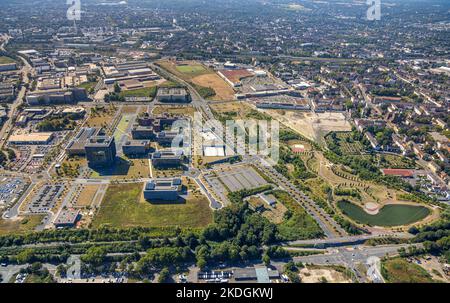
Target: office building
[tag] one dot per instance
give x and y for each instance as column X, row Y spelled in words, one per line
column 100, row 151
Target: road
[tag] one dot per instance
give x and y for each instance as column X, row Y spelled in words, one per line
column 7, row 126
column 348, row 240
column 350, row 257
column 328, row 225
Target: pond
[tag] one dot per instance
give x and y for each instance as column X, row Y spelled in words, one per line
column 389, row 215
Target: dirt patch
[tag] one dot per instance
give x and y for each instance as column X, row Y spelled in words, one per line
column 223, row 91
column 322, row 275
column 312, row 125
column 86, row 196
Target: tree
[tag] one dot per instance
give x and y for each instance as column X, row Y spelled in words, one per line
column 25, row 256
column 61, row 270
column 94, row 256
column 164, row 275
column 266, row 259
column 201, row 263
column 117, row 88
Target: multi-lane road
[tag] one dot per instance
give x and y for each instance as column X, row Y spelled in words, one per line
column 26, row 69
column 328, row 225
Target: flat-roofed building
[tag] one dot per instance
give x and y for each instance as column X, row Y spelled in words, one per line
column 77, row 144
column 139, row 132
column 31, row 139
column 8, row 66
column 166, row 137
column 56, row 96
column 166, row 158
column 172, row 94
column 100, row 151
column 163, row 189
column 67, row 218
column 136, row 147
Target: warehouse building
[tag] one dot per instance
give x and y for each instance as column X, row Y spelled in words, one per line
column 31, row 139
column 7, row 67
column 163, row 189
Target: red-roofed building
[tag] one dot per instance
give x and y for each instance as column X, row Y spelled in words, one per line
column 404, row 173
column 298, row 148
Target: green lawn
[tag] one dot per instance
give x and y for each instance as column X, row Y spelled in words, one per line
column 123, row 206
column 141, row 92
column 88, row 86
column 389, row 215
column 300, row 225
column 26, row 224
column 401, row 271
column 122, row 127
column 191, row 69
column 4, row 60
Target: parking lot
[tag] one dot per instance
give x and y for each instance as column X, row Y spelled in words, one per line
column 241, row 177
column 231, row 179
column 10, row 190
column 46, row 198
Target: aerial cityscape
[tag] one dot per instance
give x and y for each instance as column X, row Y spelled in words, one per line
column 224, row 141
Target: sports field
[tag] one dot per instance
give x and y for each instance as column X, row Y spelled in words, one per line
column 389, row 215
column 190, row 69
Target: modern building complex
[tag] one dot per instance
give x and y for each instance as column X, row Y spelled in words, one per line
column 166, row 158
column 172, row 94
column 163, row 189
column 129, row 75
column 133, row 148
column 155, row 128
column 100, row 151
column 56, row 96
column 76, row 147
column 67, row 218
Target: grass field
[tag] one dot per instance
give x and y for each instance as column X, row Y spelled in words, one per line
column 300, row 225
column 124, row 168
column 101, row 117
column 122, row 127
column 273, row 214
column 204, row 80
column 5, row 60
column 389, row 215
column 88, row 86
column 190, row 69
column 25, row 224
column 141, row 92
column 174, row 110
column 401, row 271
column 124, row 206
column 87, row 195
